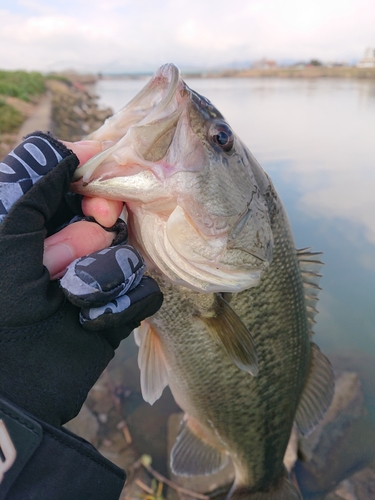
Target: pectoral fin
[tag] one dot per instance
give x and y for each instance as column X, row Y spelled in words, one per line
column 192, row 455
column 228, row 330
column 152, row 363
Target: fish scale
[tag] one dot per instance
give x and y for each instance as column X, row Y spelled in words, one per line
column 233, row 336
column 275, row 314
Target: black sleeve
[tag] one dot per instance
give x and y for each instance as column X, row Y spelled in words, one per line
column 51, row 463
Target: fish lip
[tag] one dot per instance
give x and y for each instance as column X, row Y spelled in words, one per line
column 172, row 74
column 168, row 77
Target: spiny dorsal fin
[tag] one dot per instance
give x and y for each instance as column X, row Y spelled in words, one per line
column 191, row 455
column 229, row 331
column 317, row 393
column 310, row 265
column 152, row 363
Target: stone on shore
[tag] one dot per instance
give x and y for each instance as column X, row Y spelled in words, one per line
column 75, row 111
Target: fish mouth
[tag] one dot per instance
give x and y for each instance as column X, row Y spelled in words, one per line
column 145, row 125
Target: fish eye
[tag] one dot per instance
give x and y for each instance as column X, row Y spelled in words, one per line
column 222, row 135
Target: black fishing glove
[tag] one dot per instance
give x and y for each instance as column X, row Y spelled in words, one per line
column 52, row 351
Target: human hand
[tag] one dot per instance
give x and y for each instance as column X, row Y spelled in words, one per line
column 82, row 238
column 48, row 360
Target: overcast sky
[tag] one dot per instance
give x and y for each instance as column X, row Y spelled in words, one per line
column 128, row 35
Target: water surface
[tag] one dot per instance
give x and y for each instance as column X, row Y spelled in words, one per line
column 316, row 139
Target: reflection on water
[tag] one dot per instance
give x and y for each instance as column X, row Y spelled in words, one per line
column 316, row 140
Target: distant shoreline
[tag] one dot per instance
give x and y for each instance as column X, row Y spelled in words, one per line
column 306, row 72
column 287, row 72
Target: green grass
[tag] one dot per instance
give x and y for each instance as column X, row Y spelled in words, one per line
column 21, row 84
column 10, row 118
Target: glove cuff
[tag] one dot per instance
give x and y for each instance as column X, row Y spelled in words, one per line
column 52, row 462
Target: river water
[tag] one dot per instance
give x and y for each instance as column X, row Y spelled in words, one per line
column 316, row 139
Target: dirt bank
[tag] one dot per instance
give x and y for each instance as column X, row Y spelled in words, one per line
column 68, row 110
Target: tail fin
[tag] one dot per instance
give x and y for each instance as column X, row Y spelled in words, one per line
column 284, row 490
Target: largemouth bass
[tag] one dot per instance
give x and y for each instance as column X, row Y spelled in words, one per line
column 233, row 337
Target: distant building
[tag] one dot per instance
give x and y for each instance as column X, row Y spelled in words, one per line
column 299, row 65
column 368, row 61
column 264, row 64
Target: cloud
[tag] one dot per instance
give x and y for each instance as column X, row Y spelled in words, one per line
column 141, row 33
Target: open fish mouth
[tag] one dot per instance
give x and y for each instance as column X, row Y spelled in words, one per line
column 140, row 127
column 194, row 207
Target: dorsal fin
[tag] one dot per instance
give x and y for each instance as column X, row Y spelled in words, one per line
column 310, row 265
column 317, row 393
column 192, row 455
column 229, row 331
column 152, row 363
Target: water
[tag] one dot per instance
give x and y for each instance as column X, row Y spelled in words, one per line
column 316, row 140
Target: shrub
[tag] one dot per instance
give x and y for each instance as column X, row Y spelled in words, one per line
column 10, row 118
column 21, row 84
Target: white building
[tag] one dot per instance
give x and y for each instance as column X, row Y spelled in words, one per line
column 368, row 61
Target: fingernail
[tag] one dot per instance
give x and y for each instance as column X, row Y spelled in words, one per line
column 57, row 257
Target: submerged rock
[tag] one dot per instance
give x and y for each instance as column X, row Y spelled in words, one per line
column 360, row 486
column 343, row 443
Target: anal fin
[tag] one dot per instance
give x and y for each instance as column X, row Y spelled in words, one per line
column 229, row 331
column 192, row 455
column 317, row 394
column 152, row 363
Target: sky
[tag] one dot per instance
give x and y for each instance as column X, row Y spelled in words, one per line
column 140, row 35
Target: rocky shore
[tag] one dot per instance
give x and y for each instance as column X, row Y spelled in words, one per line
column 74, row 110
